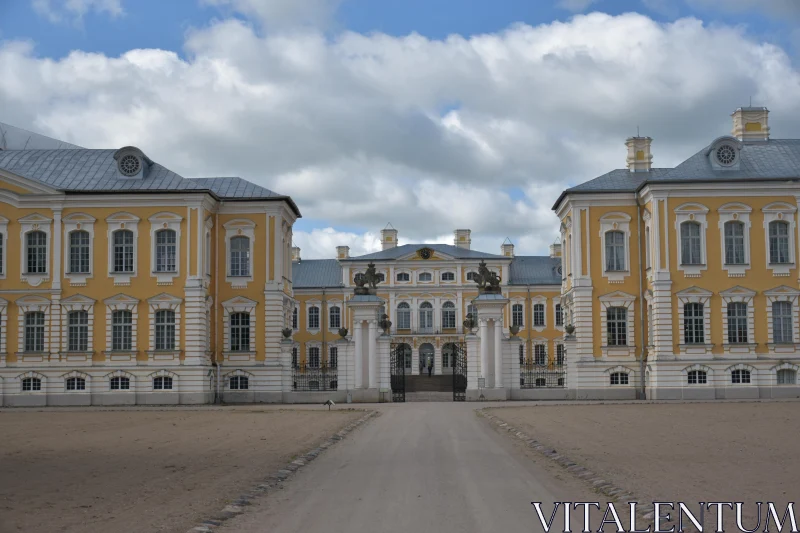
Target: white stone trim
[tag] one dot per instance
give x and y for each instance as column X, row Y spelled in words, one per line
column 701, row 296
column 616, row 221
column 239, row 227
column 78, row 222
column 401, row 270
column 309, row 304
column 169, row 221
column 226, row 380
column 557, row 301
column 116, row 222
column 623, row 369
column 452, row 270
column 164, row 301
column 783, row 294
column 511, row 303
column 730, row 212
column 335, row 303
column 738, row 294
column 741, row 366
column 309, row 345
column 692, row 212
column 709, row 375
column 783, row 366
column 3, row 331
column 80, row 375
column 785, row 212
column 34, row 222
column 77, row 302
column 432, row 272
column 122, row 302
column 164, row 374
column 239, row 304
column 120, row 374
column 537, row 300
column 540, row 341
column 4, row 247
column 649, row 246
column 618, row 299
column 30, row 304
column 37, row 375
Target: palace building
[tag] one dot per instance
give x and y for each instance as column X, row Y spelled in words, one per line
column 122, row 282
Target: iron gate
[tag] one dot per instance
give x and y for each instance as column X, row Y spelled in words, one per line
column 397, row 366
column 459, row 358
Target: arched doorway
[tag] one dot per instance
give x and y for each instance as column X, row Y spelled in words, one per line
column 448, row 357
column 426, row 357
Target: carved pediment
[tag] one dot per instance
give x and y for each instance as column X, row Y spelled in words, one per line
column 694, row 291
column 616, row 295
column 738, row 290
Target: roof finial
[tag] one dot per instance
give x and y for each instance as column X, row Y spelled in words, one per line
column 751, row 100
column 637, row 130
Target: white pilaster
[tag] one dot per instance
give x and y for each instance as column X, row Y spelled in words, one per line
column 57, row 246
column 484, row 333
column 373, row 354
column 498, row 353
column 359, row 338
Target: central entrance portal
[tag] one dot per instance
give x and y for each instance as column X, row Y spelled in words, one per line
column 427, row 358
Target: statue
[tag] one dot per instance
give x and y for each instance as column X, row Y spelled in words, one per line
column 367, row 283
column 488, row 282
column 371, row 276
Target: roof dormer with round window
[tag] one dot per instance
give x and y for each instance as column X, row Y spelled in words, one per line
column 131, row 163
column 723, row 153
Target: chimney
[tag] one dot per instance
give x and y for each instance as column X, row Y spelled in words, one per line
column 462, row 239
column 343, row 252
column 751, row 124
column 388, row 237
column 639, row 157
column 555, row 250
column 507, row 248
column 295, row 254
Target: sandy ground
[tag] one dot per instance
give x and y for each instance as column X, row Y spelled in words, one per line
column 701, row 452
column 142, row 470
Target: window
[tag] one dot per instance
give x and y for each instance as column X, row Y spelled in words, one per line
column 782, row 322
column 294, row 318
column 516, row 315
column 786, row 376
column 120, row 383
column 521, row 354
column 737, row 323
column 294, row 357
column 559, row 316
column 426, row 317
column 693, row 323
column 240, row 332
column 734, row 243
column 647, row 252
column 239, row 383
column 559, row 354
column 165, row 330
column 123, row 251
column 471, row 276
column 615, row 251
column 240, row 256
column 617, row 326
column 208, row 253
column 122, row 330
column 313, row 317
column 449, row 315
column 448, row 276
column 79, row 252
column 2, row 251
column 76, row 384
column 359, row 277
column 166, row 250
column 690, row 244
column 538, row 315
column 541, row 382
column 77, row 331
column 313, row 357
column 36, row 242
column 740, row 376
column 335, row 317
column 381, row 277
column 472, row 310
column 540, row 354
column 778, row 242
column 403, row 316
column 333, row 357
column 162, row 383
column 697, row 377
column 403, row 276
column 425, row 276
column 34, row 332
column 619, row 378
column 31, row 384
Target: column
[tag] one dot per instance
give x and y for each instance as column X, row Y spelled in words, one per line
column 373, row 354
column 359, row 338
column 286, row 365
column 484, row 349
column 55, row 261
column 498, row 353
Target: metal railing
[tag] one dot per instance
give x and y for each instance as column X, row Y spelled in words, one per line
column 315, row 378
column 550, row 375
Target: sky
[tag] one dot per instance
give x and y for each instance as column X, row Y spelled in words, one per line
column 430, row 115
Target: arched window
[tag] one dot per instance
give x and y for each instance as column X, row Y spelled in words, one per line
column 425, row 276
column 693, row 323
column 240, row 332
column 448, row 315
column 787, row 376
column 740, row 376
column 313, row 317
column 162, row 383
column 239, row 383
column 471, row 276
column 619, row 378
column 78, row 331
column 617, row 326
column 516, row 315
column 34, row 332
column 36, row 244
column 448, row 276
column 426, row 317
column 381, row 277
column 778, row 242
column 538, row 315
column 782, row 322
column 697, row 377
column 403, row 316
column 335, row 321
column 123, row 251
column 240, row 256
column 165, row 329
column 120, row 383
column 79, row 252
column 166, row 251
column 31, row 384
column 403, row 276
column 737, row 323
column 691, row 247
column 615, row 251
column 76, row 384
column 313, row 357
column 734, row 243
column 121, row 330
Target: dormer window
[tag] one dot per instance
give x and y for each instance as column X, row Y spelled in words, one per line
column 131, row 162
column 726, row 155
column 129, row 165
column 723, row 153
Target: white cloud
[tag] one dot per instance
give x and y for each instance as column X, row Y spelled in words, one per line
column 362, row 130
column 74, row 10
column 322, row 243
column 576, row 6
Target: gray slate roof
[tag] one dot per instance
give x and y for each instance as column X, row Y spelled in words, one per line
column 316, row 273
column 235, row 188
column 14, row 138
column 535, row 270
column 447, row 249
column 618, row 180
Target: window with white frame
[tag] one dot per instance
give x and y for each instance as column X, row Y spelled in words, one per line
column 734, row 226
column 517, row 315
column 294, row 318
column 381, row 277
column 779, row 238
column 166, row 250
column 448, row 315
column 208, row 253
column 740, row 376
column 697, row 377
column 313, row 357
column 521, row 354
column 735, row 252
column 36, row 252
column 691, row 244
column 3, row 238
column 472, row 276
column 79, row 245
column 403, row 316
column 618, row 378
column 121, row 318
column 34, row 331
column 615, row 251
column 240, row 237
column 738, row 320
column 617, row 326
column 779, row 228
column 614, row 246
column 617, row 315
column 77, row 331
column 335, row 317
column 787, row 376
column 782, row 318
column 239, row 382
column 119, row 383
column 240, row 332
column 538, row 315
column 162, row 383
column 647, row 247
column 123, row 251
column 559, row 354
column 425, row 276
column 691, row 223
column 403, row 276
column 426, row 317
column 164, row 330
column 448, row 276
column 31, row 384
column 693, row 323
column 165, row 236
column 737, row 323
column 313, row 317
column 333, row 356
column 123, row 234
column 76, row 384
column 294, row 357
column 559, row 316
column 240, row 257
column 540, row 354
column 473, row 310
